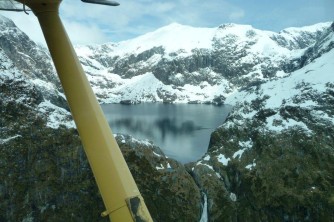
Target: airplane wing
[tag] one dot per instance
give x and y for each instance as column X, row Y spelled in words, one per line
column 11, row 5
column 102, row 2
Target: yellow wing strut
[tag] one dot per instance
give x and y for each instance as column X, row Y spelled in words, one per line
column 119, row 191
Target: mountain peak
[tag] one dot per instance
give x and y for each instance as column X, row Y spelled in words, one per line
column 309, row 28
column 173, row 25
column 172, row 37
column 177, row 37
column 232, row 25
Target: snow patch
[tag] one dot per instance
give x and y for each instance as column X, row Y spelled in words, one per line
column 204, row 164
column 233, row 197
column 161, row 167
column 56, row 116
column 222, row 159
column 3, row 141
column 251, row 166
column 158, row 155
column 145, row 142
column 206, row 158
column 239, row 153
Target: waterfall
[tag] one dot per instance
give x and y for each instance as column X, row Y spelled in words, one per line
column 204, row 217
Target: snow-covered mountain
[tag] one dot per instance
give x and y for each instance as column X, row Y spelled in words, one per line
column 273, row 156
column 179, row 63
column 271, row 160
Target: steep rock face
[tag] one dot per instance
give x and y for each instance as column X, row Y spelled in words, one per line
column 169, row 191
column 30, row 63
column 272, row 158
column 268, row 176
column 45, row 175
column 33, row 60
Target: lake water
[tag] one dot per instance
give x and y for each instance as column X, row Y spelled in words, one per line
column 182, row 131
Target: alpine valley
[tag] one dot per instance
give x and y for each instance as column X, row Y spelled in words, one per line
column 271, row 160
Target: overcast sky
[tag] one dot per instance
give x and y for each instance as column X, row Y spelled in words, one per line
column 87, row 23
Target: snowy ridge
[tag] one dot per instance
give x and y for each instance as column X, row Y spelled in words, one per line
column 177, row 59
column 311, row 28
column 316, row 76
column 176, row 37
column 172, row 37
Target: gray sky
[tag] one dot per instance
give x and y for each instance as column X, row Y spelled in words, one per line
column 87, row 23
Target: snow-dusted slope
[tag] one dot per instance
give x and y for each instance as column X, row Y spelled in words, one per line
column 303, row 88
column 303, row 100
column 179, row 63
column 28, row 79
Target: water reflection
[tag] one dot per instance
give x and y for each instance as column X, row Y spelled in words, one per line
column 181, row 130
column 165, row 126
column 132, row 125
column 168, row 125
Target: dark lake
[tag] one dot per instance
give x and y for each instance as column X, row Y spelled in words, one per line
column 182, row 131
